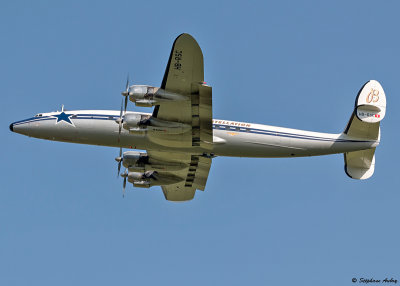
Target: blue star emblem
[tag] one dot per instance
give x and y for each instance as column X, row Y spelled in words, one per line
column 64, row 117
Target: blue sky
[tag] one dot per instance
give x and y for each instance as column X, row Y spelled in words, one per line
column 300, row 221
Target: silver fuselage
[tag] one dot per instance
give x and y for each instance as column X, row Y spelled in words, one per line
column 231, row 138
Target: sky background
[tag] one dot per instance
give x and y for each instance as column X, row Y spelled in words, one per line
column 299, row 221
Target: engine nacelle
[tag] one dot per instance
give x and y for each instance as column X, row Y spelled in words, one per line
column 139, row 124
column 148, row 179
column 142, row 180
column 134, row 121
column 141, row 184
column 135, row 176
column 147, row 96
column 135, row 159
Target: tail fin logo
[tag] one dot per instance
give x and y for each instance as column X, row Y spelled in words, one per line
column 373, row 96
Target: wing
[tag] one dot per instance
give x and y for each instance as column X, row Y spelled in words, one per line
column 192, row 176
column 184, row 75
column 180, row 173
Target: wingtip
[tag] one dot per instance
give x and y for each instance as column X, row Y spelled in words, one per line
column 185, row 35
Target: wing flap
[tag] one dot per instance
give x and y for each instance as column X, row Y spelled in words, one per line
column 201, row 174
column 205, row 116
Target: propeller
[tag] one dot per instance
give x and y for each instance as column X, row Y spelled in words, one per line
column 126, row 94
column 124, row 175
column 119, row 159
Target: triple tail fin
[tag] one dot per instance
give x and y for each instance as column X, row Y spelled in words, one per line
column 369, row 110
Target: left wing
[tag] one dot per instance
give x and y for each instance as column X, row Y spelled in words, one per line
column 184, row 75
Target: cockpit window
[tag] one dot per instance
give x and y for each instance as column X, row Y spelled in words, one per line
column 38, row 115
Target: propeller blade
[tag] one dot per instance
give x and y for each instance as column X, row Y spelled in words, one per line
column 126, row 91
column 119, row 130
column 120, row 113
column 124, row 185
column 127, row 83
column 126, row 103
column 126, row 94
column 124, row 175
column 119, row 168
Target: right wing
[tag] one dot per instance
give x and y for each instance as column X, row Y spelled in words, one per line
column 193, row 176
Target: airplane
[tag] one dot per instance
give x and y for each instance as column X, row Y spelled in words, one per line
column 181, row 137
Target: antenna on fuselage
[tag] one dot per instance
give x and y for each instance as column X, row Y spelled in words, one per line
column 62, row 107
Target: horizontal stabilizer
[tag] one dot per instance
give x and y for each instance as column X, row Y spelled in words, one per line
column 360, row 165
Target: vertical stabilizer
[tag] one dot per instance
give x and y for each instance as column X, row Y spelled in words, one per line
column 364, row 123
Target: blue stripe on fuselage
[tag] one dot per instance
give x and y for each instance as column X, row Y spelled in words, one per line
column 73, row 116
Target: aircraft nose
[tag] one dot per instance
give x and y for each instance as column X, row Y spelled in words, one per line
column 21, row 127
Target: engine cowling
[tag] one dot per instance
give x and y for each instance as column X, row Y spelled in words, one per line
column 134, row 121
column 135, row 159
column 147, row 96
column 143, row 180
column 139, row 124
column 138, row 92
column 136, row 176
